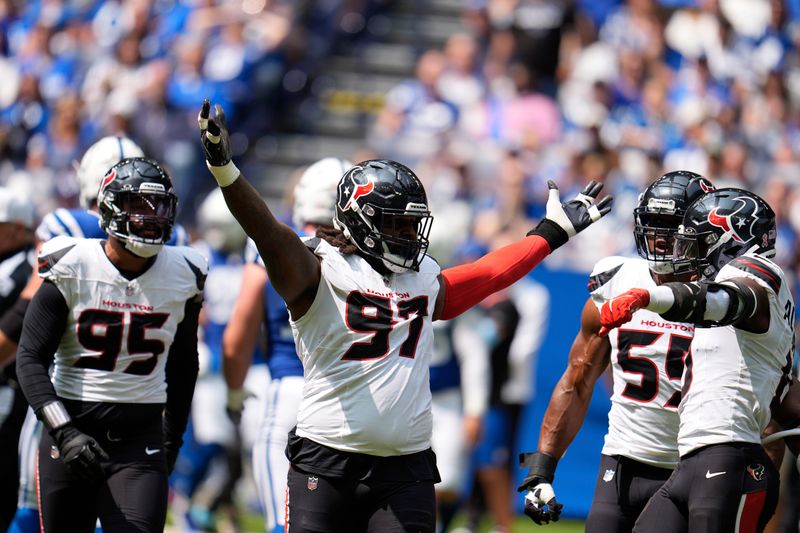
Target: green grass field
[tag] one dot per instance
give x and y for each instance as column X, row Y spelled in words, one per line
column 524, row 525
column 255, row 524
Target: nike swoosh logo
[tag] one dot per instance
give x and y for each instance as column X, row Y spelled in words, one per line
column 148, row 451
column 710, row 474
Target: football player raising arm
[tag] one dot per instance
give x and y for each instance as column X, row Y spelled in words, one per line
column 361, row 299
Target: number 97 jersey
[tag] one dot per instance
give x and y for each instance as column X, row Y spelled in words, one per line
column 648, row 355
column 366, row 345
column 118, row 331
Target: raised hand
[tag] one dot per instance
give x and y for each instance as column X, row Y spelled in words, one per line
column 565, row 220
column 619, row 310
column 216, row 144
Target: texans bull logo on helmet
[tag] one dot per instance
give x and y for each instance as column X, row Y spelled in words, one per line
column 358, row 192
column 744, row 216
column 109, row 177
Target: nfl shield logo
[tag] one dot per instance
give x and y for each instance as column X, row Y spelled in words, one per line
column 129, row 290
column 54, row 452
column 609, row 475
column 312, row 482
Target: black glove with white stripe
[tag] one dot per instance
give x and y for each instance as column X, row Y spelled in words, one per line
column 216, row 144
column 565, row 220
column 540, row 501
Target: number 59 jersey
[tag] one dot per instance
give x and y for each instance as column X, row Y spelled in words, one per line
column 118, row 331
column 366, row 344
column 647, row 361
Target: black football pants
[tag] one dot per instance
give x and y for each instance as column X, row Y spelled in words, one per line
column 132, row 498
column 720, row 488
column 623, row 488
column 335, row 505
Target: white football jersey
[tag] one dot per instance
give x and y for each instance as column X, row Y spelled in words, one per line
column 647, row 359
column 119, row 331
column 736, row 375
column 366, row 346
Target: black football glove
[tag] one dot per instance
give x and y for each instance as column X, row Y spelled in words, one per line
column 565, row 220
column 80, row 453
column 540, row 501
column 216, row 144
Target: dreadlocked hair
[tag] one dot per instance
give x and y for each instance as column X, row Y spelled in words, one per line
column 335, row 237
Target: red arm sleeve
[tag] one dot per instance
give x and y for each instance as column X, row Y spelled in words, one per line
column 467, row 285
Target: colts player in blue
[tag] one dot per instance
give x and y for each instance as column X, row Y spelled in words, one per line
column 314, row 205
column 84, row 223
column 210, row 438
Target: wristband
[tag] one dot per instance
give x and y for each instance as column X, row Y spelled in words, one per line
column 550, row 231
column 54, row 416
column 540, row 465
column 226, row 174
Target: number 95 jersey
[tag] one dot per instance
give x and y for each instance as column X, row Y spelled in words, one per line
column 118, row 331
column 366, row 344
column 648, row 355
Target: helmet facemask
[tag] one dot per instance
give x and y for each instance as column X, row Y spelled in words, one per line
column 655, row 239
column 143, row 220
column 138, row 206
column 382, row 209
column 398, row 238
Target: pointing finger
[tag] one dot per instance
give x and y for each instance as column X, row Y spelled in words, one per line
column 202, row 117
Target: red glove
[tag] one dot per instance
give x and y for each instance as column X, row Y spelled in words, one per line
column 619, row 310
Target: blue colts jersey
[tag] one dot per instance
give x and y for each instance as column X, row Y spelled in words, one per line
column 281, row 356
column 282, row 359
column 85, row 224
column 445, row 372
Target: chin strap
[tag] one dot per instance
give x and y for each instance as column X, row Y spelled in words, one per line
column 143, row 250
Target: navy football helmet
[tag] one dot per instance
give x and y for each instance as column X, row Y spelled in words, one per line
column 719, row 227
column 659, row 213
column 137, row 204
column 382, row 208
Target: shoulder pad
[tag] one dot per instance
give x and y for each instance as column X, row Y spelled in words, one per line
column 603, row 271
column 761, row 268
column 312, row 243
column 53, row 251
column 430, row 265
column 197, row 264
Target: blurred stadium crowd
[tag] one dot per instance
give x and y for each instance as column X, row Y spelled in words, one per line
column 528, row 90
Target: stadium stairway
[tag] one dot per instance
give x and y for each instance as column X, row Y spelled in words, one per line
column 345, row 89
